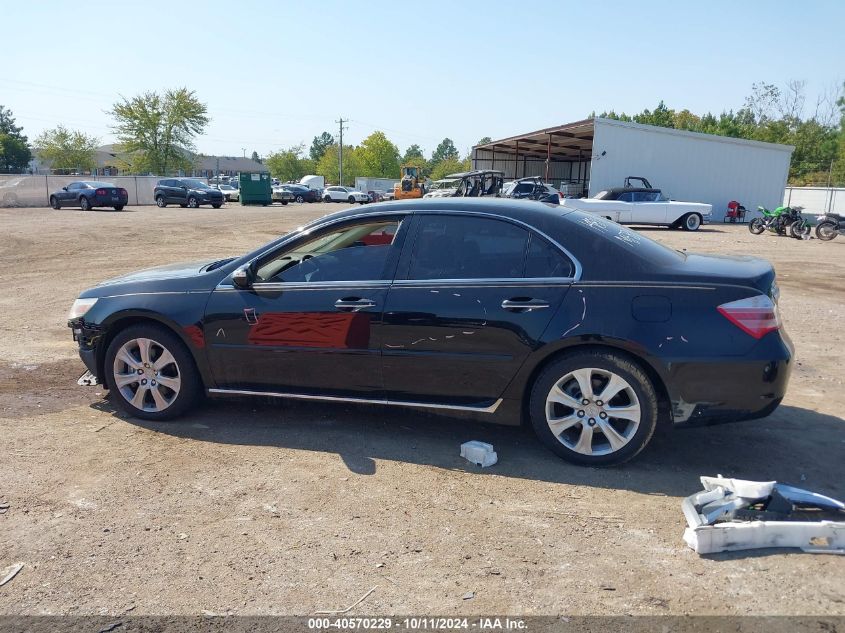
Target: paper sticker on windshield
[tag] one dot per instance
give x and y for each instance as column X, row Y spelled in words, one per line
column 256, row 176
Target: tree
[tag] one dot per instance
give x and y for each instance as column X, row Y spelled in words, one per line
column 412, row 153
column 319, row 145
column 451, row 165
column 378, row 157
column 327, row 166
column 14, row 149
column 287, row 164
column 256, row 157
column 484, row 140
column 67, row 149
column 445, row 150
column 157, row 131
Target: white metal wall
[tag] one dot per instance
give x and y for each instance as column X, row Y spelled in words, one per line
column 816, row 200
column 690, row 167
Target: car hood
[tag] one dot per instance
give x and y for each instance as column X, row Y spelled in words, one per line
column 160, row 273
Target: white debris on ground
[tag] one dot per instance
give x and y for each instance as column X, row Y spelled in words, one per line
column 479, row 453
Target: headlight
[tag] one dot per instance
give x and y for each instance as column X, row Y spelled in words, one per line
column 80, row 307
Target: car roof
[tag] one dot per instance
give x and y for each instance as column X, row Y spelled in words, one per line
column 627, row 189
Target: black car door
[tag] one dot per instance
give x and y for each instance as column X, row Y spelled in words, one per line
column 472, row 297
column 68, row 194
column 309, row 322
column 178, row 192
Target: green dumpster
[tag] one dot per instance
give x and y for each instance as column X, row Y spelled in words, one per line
column 255, row 188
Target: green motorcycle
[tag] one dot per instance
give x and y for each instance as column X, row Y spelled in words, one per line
column 774, row 220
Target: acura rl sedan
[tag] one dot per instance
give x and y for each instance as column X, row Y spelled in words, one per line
column 515, row 311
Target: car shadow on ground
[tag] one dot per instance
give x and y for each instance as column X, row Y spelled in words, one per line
column 792, row 445
column 664, row 229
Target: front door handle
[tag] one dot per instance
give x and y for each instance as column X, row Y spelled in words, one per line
column 520, row 304
column 354, row 304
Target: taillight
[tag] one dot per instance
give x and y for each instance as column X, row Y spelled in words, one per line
column 101, row 192
column 755, row 315
column 123, row 192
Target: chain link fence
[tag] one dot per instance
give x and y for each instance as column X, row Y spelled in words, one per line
column 34, row 191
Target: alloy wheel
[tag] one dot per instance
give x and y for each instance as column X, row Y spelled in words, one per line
column 146, row 375
column 593, row 411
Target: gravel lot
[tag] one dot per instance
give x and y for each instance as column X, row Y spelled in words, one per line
column 286, row 508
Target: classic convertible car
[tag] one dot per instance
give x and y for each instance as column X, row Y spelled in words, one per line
column 642, row 205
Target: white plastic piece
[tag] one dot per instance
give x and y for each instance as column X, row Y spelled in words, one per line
column 810, row 536
column 479, row 453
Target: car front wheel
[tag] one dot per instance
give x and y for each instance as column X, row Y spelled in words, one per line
column 593, row 408
column 692, row 222
column 300, row 199
column 150, row 373
column 54, row 202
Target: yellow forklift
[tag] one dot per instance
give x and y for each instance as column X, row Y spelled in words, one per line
column 411, row 186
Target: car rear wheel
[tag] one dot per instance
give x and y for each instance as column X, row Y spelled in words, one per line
column 593, row 408
column 160, row 202
column 327, row 199
column 54, row 202
column 119, row 207
column 692, row 221
column 216, row 206
column 84, row 204
column 150, row 373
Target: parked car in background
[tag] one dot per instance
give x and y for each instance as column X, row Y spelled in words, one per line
column 375, row 196
column 186, row 192
column 532, row 188
column 443, row 188
column 282, row 194
column 389, row 195
column 301, row 193
column 345, row 194
column 88, row 194
column 504, row 309
column 643, row 205
column 230, row 193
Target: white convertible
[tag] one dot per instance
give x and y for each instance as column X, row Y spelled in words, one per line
column 643, row 205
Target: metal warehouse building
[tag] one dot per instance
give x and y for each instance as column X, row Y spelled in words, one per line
column 591, row 155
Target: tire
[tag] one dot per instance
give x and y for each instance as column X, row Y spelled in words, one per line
column 826, row 230
column 160, row 203
column 800, row 230
column 284, row 202
column 183, row 205
column 54, row 202
column 119, row 207
column 193, row 203
column 184, row 386
column 351, row 199
column 216, row 206
column 692, row 222
column 586, row 442
column 327, row 199
column 84, row 203
column 756, row 226
column 300, row 199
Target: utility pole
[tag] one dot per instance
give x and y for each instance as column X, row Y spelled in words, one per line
column 340, row 151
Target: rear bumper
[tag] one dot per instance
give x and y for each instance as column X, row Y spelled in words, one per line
column 714, row 392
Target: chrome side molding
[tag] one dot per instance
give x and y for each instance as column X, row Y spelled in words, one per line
column 395, row 403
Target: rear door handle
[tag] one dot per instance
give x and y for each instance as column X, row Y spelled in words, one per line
column 354, row 304
column 524, row 305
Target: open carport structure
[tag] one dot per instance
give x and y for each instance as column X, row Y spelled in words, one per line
column 585, row 157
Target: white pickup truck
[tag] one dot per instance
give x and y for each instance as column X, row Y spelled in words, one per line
column 643, row 205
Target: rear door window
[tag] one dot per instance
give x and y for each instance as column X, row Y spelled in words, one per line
column 467, row 247
column 546, row 261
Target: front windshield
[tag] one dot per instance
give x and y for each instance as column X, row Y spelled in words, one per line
column 196, row 184
column 445, row 184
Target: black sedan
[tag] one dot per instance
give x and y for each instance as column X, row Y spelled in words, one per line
column 301, row 193
column 87, row 195
column 511, row 310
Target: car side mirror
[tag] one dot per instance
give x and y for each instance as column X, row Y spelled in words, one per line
column 241, row 278
column 64, row 188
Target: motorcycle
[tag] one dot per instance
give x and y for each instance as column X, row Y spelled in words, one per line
column 777, row 221
column 828, row 226
column 799, row 226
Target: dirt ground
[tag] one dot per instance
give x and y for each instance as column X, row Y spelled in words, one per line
column 250, row 507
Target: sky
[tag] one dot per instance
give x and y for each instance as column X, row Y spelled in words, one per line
column 276, row 74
